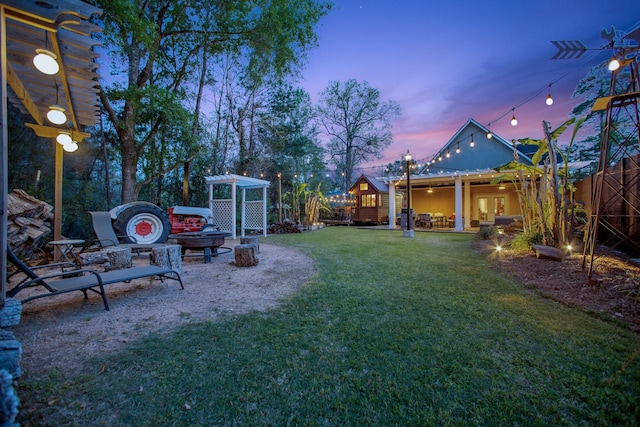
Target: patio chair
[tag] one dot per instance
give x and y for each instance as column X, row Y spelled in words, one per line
column 81, row 279
column 106, row 236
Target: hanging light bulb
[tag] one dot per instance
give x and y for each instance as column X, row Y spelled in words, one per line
column 514, row 121
column 489, row 134
column 549, row 100
column 614, row 64
column 64, row 138
column 472, row 143
column 56, row 115
column 448, row 154
column 70, row 147
column 440, row 157
column 46, row 62
column 458, row 148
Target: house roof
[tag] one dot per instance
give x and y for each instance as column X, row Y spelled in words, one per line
column 240, row 181
column 377, row 183
column 471, row 149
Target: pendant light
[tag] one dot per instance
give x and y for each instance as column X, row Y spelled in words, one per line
column 46, row 61
column 56, row 113
column 472, row 143
column 514, row 121
column 549, row 100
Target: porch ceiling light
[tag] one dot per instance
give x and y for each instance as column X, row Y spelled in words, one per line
column 56, row 115
column 46, row 62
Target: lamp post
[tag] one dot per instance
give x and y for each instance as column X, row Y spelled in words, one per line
column 408, row 232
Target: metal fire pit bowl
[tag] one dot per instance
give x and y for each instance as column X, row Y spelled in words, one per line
column 209, row 241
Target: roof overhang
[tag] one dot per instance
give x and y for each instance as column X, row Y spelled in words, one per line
column 63, row 28
column 240, row 181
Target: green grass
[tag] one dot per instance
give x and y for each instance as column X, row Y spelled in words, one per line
column 390, row 331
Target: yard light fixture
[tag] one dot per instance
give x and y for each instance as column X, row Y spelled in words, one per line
column 409, row 231
column 614, row 64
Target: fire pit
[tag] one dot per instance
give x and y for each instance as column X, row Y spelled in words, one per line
column 208, row 241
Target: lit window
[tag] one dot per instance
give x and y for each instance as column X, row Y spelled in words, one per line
column 369, row 200
column 364, row 186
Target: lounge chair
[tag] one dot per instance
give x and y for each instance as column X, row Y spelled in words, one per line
column 82, row 279
column 106, row 236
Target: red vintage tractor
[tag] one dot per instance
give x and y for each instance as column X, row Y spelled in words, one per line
column 147, row 223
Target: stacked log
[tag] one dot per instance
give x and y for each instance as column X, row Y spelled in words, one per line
column 284, row 228
column 29, row 225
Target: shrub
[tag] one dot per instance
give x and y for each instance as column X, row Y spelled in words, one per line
column 486, row 233
column 525, row 240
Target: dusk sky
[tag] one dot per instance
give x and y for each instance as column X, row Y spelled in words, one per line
column 445, row 62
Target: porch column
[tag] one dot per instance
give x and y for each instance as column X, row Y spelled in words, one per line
column 233, row 209
column 392, row 205
column 243, row 210
column 264, row 211
column 467, row 204
column 458, row 190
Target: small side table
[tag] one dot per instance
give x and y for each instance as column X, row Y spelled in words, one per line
column 66, row 248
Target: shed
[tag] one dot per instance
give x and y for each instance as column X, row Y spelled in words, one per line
column 372, row 200
column 253, row 213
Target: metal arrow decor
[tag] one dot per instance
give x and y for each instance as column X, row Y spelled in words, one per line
column 569, row 49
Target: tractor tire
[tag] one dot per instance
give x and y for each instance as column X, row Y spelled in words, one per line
column 143, row 224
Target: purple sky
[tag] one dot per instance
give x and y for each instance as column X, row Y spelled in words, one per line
column 444, row 62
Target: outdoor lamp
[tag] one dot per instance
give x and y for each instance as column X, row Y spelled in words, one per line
column 472, row 143
column 71, row 147
column 56, row 115
column 614, row 64
column 549, row 99
column 64, row 138
column 514, row 121
column 46, row 62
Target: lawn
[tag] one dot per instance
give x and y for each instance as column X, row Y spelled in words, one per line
column 390, row 331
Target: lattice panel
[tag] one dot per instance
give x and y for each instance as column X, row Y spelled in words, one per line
column 254, row 215
column 223, row 214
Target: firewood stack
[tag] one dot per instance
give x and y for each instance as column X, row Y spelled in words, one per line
column 29, row 225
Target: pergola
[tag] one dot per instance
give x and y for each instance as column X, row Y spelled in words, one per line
column 253, row 213
column 61, row 29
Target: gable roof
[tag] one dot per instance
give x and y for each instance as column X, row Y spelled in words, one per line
column 471, row 149
column 379, row 185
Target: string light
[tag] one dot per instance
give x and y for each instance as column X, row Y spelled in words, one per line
column 549, row 100
column 514, row 121
column 489, row 134
column 473, row 143
column 458, row 148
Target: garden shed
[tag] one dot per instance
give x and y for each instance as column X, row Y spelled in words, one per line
column 253, row 213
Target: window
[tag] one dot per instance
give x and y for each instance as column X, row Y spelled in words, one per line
column 364, row 186
column 368, row 200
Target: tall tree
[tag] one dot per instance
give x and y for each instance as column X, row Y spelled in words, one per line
column 357, row 122
column 157, row 47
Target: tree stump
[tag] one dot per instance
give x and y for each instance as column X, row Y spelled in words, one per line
column 251, row 240
column 245, row 255
column 167, row 256
column 119, row 258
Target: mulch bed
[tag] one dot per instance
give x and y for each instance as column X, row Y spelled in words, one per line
column 613, row 294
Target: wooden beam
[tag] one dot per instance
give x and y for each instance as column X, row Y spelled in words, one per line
column 22, row 94
column 51, row 132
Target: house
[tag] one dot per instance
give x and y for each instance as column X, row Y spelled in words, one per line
column 372, row 201
column 460, row 186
